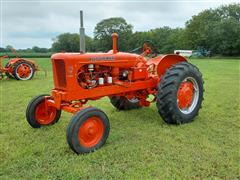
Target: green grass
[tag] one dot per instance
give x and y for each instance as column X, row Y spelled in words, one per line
column 140, row 144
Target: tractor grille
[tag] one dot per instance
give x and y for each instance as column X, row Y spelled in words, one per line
column 60, row 72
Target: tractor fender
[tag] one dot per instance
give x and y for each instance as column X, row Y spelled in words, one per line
column 14, row 60
column 163, row 62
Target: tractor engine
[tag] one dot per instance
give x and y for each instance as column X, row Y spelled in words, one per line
column 90, row 76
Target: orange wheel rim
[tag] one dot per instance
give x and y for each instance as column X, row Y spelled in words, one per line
column 91, row 132
column 45, row 114
column 24, row 70
column 185, row 94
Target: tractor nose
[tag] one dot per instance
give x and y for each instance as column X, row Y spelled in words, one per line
column 114, row 39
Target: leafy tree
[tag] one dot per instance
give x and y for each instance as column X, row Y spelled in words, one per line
column 197, row 28
column 137, row 39
column 165, row 39
column 225, row 37
column 104, row 29
column 70, row 43
column 39, row 50
column 9, row 48
column 229, row 11
column 175, row 40
column 216, row 30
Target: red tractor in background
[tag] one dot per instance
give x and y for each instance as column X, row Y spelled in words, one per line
column 18, row 68
column 127, row 79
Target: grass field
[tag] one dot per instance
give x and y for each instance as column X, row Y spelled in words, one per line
column 140, row 145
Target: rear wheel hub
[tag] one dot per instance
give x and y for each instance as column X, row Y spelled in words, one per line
column 187, row 95
column 24, row 70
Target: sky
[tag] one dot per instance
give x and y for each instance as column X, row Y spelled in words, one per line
column 28, row 23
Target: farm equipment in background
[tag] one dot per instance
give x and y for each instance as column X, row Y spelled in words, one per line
column 127, row 79
column 18, row 68
column 200, row 53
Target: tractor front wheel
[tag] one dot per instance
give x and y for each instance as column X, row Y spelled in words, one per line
column 123, row 103
column 23, row 70
column 180, row 93
column 38, row 114
column 88, row 130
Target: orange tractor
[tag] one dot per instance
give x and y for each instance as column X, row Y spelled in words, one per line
column 127, row 79
column 18, row 68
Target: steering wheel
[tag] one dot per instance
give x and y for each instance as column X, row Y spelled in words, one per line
column 147, row 48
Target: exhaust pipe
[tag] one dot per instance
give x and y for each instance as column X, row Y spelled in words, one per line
column 82, row 34
column 114, row 41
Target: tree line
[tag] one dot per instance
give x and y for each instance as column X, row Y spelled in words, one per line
column 216, row 30
column 34, row 49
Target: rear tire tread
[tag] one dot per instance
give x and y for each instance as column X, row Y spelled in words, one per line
column 167, row 89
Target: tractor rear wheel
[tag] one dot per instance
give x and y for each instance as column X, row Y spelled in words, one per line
column 23, row 70
column 123, row 103
column 38, row 114
column 9, row 75
column 180, row 93
column 88, row 130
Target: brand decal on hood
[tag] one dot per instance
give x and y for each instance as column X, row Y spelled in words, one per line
column 104, row 58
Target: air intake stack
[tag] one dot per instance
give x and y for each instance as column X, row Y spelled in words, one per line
column 82, row 34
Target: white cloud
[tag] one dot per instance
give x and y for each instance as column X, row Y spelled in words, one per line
column 28, row 23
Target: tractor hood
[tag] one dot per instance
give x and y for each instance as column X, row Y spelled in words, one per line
column 96, row 57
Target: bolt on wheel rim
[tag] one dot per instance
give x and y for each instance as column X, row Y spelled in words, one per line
column 188, row 95
column 91, row 132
